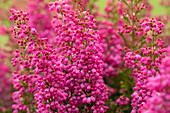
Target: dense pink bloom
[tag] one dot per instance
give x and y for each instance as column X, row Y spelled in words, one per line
column 79, row 44
column 64, row 78
column 69, row 58
column 159, row 85
column 145, row 64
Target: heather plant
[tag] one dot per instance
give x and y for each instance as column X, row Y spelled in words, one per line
column 67, row 57
column 36, row 16
column 144, row 61
column 79, row 80
column 144, row 52
column 159, row 85
column 79, row 44
column 39, row 80
column 121, row 31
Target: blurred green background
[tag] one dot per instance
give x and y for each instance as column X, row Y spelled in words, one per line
column 157, row 10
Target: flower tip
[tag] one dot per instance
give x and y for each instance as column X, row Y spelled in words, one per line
column 11, row 18
column 12, row 11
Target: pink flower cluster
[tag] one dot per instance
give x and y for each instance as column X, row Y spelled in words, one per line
column 152, row 24
column 123, row 100
column 79, row 44
column 68, row 58
column 145, row 63
column 62, row 79
column 159, row 85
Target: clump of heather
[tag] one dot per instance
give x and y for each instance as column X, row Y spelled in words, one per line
column 146, row 62
column 22, row 34
column 143, row 47
column 83, row 65
column 62, row 79
column 37, row 68
column 69, row 58
column 120, row 31
column 159, row 85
